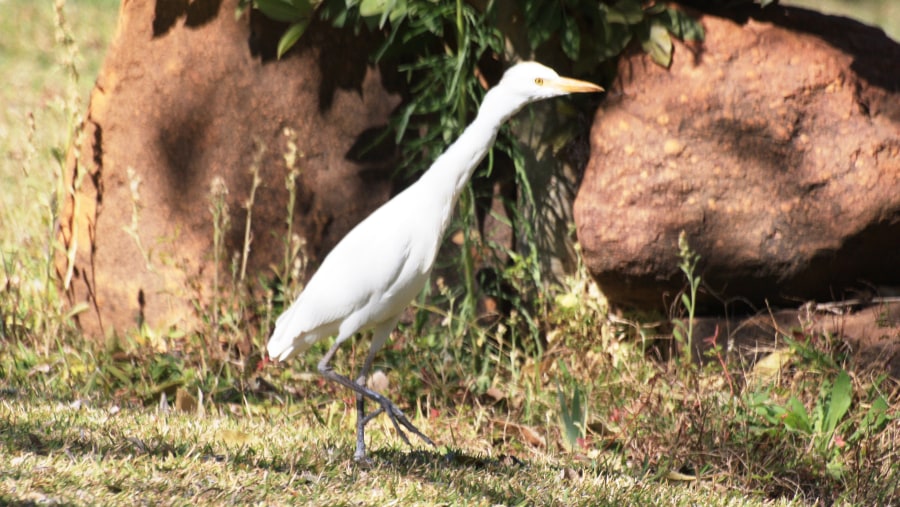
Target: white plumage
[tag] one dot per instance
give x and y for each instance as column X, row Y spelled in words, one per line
column 372, row 274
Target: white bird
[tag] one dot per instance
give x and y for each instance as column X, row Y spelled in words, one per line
column 373, row 274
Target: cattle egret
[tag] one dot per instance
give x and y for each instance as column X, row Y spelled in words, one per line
column 373, row 274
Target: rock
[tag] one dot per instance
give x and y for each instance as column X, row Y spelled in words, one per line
column 187, row 94
column 775, row 145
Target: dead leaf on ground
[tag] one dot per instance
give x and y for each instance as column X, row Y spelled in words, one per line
column 528, row 434
column 768, row 368
column 185, row 402
column 495, row 394
column 235, row 437
column 678, row 476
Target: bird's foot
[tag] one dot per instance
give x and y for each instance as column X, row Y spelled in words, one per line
column 363, row 461
column 398, row 418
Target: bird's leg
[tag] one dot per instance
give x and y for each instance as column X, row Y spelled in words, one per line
column 379, row 338
column 380, row 335
column 361, row 420
column 358, row 387
column 397, row 416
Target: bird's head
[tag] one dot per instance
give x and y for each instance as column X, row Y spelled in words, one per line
column 532, row 81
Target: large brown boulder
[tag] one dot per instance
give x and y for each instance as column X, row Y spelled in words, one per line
column 188, row 94
column 775, row 145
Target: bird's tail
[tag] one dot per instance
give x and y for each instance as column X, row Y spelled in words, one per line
column 285, row 341
column 281, row 349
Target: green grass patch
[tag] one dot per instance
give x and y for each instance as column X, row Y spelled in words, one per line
column 90, row 454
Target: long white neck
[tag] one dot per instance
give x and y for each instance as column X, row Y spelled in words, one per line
column 448, row 175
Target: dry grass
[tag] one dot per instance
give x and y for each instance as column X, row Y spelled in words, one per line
column 91, row 454
column 85, row 426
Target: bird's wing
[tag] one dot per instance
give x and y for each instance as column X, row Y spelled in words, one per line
column 358, row 272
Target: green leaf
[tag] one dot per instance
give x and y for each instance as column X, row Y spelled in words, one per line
column 399, row 11
column 681, row 24
column 612, row 40
column 795, row 417
column 369, row 8
column 873, row 421
column 570, row 38
column 119, row 374
column 817, row 416
column 624, row 12
column 572, row 415
column 877, row 414
column 577, row 410
column 337, row 11
column 76, row 309
column 286, row 11
column 402, row 122
column 658, row 45
column 544, row 24
column 835, row 468
column 655, row 9
column 383, row 9
column 291, row 36
column 839, row 403
column 773, row 414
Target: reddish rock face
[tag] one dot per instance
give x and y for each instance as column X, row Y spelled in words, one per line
column 775, row 145
column 187, row 96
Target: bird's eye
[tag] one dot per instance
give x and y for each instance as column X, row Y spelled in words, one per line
column 539, row 81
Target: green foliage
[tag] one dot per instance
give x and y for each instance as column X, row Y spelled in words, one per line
column 684, row 331
column 41, row 121
column 286, row 11
column 827, row 423
column 444, row 50
column 298, row 13
column 572, row 410
column 610, row 26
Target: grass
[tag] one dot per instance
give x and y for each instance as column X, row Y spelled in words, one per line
column 555, row 404
column 90, row 428
column 37, row 90
column 79, row 453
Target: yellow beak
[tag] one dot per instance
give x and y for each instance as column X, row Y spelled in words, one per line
column 570, row 85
